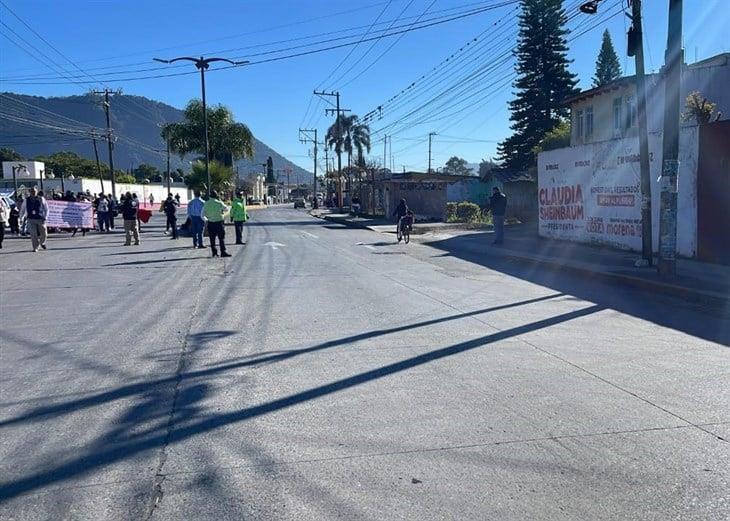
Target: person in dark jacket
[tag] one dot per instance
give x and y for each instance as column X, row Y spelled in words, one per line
column 129, row 208
column 400, row 211
column 498, row 206
column 170, row 209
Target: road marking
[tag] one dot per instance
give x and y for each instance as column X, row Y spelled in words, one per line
column 369, row 247
column 274, row 245
column 310, row 235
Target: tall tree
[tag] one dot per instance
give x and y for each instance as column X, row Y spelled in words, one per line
column 543, row 84
column 348, row 135
column 8, row 154
column 608, row 67
column 457, row 166
column 228, row 140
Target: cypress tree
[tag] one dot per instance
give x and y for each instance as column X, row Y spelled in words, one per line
column 607, row 64
column 543, row 82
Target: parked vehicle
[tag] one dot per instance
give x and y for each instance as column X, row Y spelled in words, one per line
column 299, row 203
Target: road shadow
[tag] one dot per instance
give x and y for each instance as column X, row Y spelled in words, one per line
column 187, row 420
column 151, row 261
column 664, row 310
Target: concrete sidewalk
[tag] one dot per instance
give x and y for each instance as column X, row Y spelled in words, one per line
column 383, row 225
column 695, row 280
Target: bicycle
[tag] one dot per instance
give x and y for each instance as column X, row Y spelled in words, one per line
column 403, row 232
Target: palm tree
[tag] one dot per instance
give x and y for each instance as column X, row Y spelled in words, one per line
column 348, row 134
column 228, row 140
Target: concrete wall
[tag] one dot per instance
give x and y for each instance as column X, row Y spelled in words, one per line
column 427, row 200
column 159, row 191
column 32, row 170
column 610, row 170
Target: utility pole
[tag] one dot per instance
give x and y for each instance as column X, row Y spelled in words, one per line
column 98, row 166
column 337, row 111
column 670, row 145
column 169, row 189
column 304, row 137
column 202, row 64
column 109, row 139
column 430, row 136
column 385, row 151
column 636, row 48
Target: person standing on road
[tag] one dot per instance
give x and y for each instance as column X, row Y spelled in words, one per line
column 170, row 209
column 113, row 209
column 238, row 216
column 213, row 212
column 4, row 217
column 498, row 206
column 35, row 211
column 129, row 214
column 14, row 219
column 152, row 200
column 102, row 213
column 195, row 213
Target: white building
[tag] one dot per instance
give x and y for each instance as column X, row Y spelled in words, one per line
column 590, row 191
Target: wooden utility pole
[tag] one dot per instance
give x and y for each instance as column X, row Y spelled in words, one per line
column 670, row 144
column 636, row 48
column 337, row 111
column 98, row 165
column 430, row 136
column 109, row 138
column 305, row 137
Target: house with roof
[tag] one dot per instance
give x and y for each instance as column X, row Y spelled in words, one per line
column 590, row 191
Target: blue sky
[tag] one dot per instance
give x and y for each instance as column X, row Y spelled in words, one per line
column 275, row 98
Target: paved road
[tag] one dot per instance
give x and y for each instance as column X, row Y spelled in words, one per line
column 327, row 373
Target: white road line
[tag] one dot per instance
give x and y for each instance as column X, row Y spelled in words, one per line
column 310, row 235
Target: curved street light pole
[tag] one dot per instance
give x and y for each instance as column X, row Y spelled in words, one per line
column 202, row 64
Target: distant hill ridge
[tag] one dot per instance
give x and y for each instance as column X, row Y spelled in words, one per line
column 135, row 120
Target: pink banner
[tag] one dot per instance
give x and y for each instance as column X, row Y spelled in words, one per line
column 64, row 214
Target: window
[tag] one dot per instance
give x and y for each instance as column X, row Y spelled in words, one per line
column 589, row 122
column 630, row 112
column 579, row 124
column 617, row 126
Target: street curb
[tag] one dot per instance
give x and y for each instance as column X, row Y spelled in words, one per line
column 698, row 296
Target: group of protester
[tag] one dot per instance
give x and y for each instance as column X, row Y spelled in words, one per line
column 28, row 215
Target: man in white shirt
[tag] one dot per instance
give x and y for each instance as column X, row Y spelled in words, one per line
column 195, row 213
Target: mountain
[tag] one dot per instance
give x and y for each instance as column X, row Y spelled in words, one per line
column 39, row 126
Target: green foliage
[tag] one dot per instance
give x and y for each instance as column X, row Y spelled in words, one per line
column 559, row 137
column 543, row 82
column 270, row 177
column 221, row 177
column 145, row 171
column 125, row 178
column 228, row 140
column 350, row 136
column 486, row 166
column 463, row 212
column 71, row 164
column 456, row 166
column 8, row 154
column 697, row 108
column 608, row 67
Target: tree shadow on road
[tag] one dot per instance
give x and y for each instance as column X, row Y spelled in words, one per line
column 130, row 440
column 664, row 310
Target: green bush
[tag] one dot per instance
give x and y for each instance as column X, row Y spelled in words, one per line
column 451, row 212
column 467, row 212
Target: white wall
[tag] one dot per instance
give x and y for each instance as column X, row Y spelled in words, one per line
column 609, row 209
column 159, row 191
column 32, row 169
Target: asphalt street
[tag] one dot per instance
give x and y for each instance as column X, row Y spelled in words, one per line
column 328, row 373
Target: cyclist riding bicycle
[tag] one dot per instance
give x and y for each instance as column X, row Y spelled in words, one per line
column 400, row 212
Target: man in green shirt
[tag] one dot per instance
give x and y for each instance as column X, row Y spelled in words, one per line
column 238, row 216
column 213, row 212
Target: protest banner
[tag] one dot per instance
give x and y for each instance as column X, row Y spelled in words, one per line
column 66, row 214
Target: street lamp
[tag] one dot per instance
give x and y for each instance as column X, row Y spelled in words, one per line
column 202, row 64
column 15, row 168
